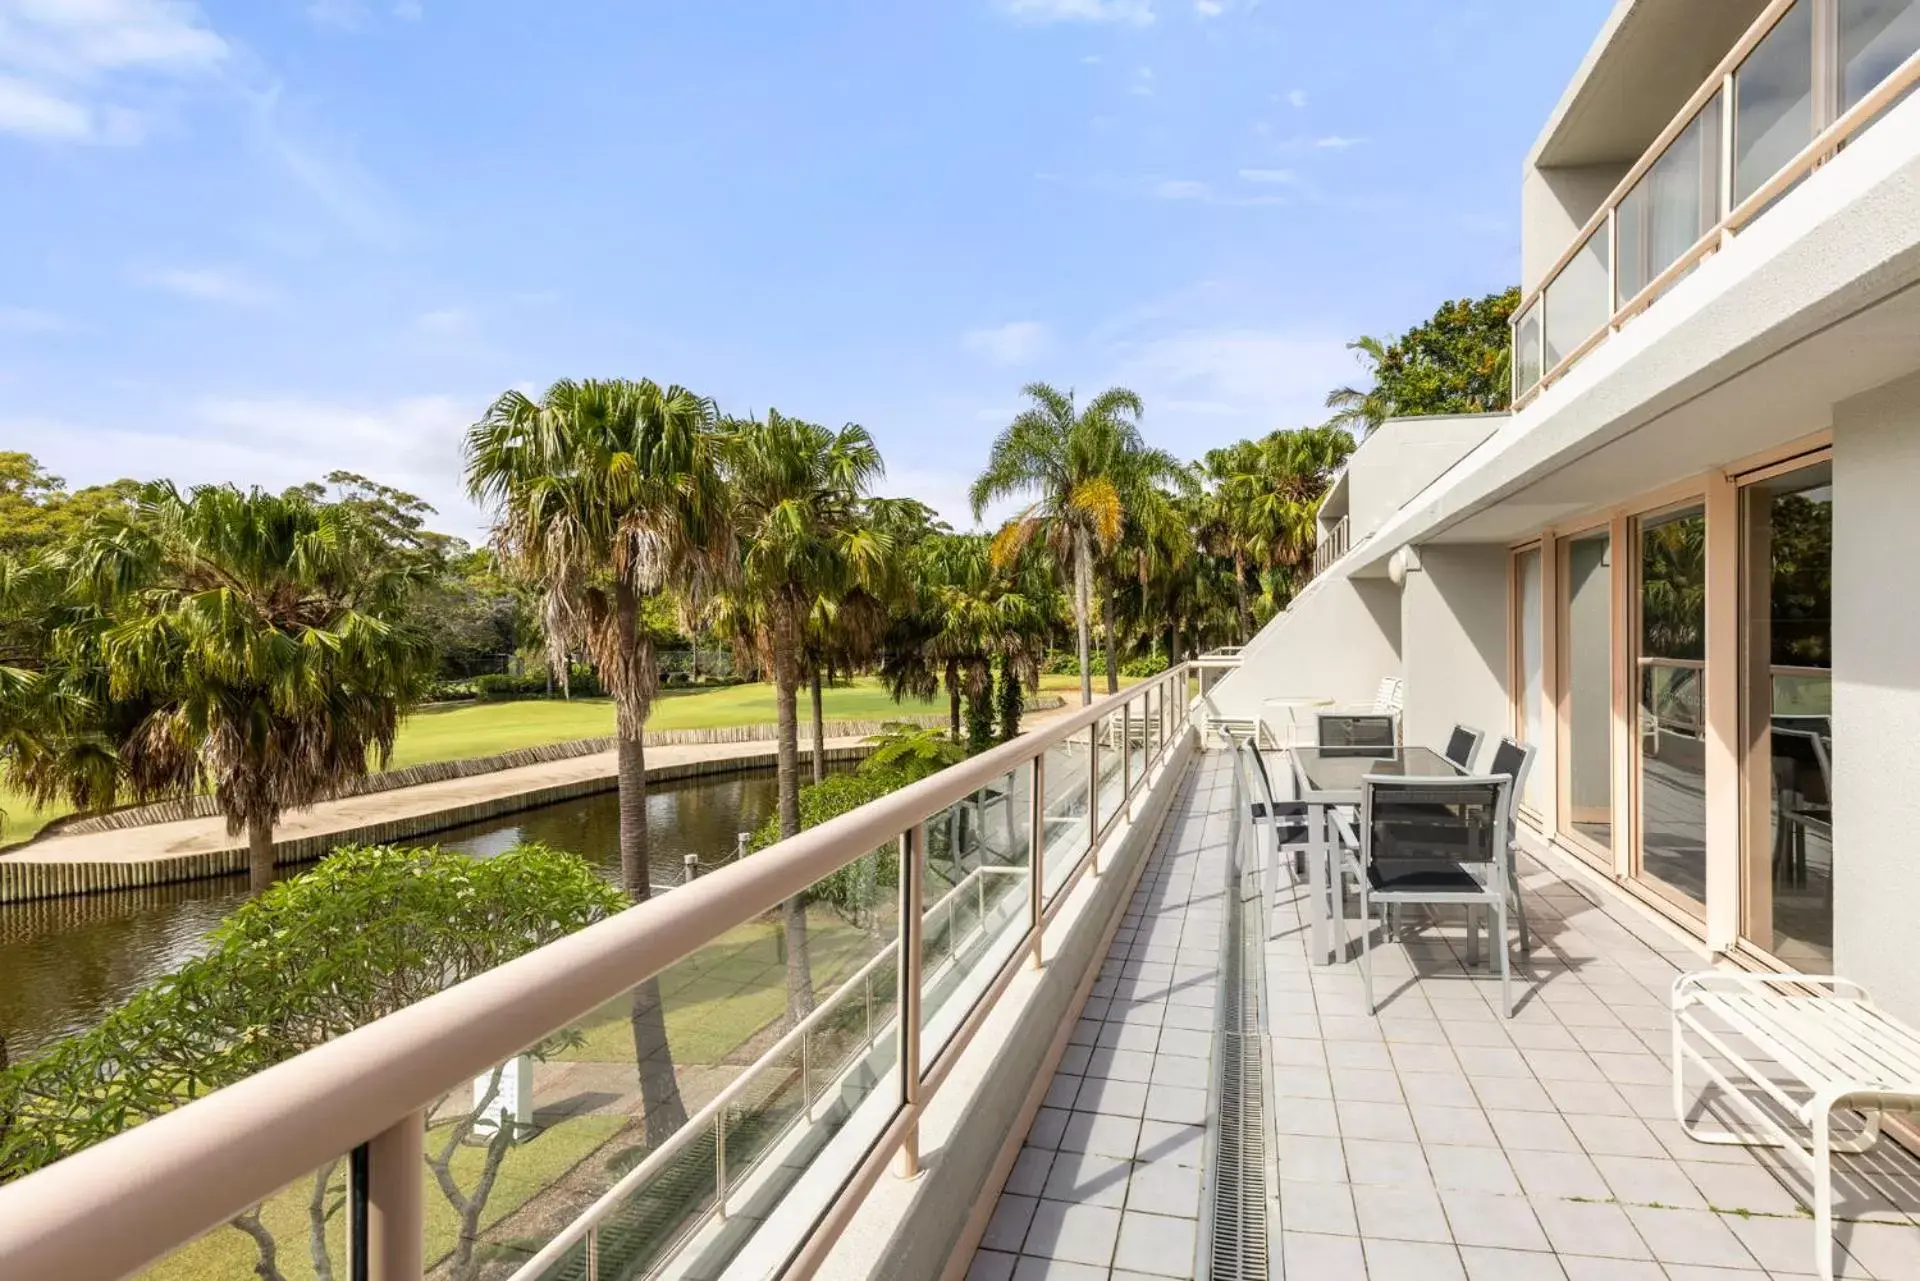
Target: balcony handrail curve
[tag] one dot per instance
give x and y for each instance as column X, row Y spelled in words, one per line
column 1803, row 163
column 1769, row 19
column 691, row 1131
column 172, row 1179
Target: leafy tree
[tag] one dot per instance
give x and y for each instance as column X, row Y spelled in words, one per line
column 910, row 752
column 797, row 491
column 37, row 512
column 609, row 493
column 251, row 645
column 1456, row 362
column 367, row 932
column 1083, row 468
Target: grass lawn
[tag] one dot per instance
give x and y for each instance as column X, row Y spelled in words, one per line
column 486, row 729
column 529, row 1169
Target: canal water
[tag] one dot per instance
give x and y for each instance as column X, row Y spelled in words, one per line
column 65, row 963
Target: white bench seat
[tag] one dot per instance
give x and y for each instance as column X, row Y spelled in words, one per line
column 1811, row 1044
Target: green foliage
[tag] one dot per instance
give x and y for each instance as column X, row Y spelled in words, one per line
column 909, row 753
column 37, row 512
column 980, row 713
column 367, row 932
column 1456, row 362
column 1010, row 700
column 499, row 687
column 854, row 890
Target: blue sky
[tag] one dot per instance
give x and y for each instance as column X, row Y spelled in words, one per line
column 255, row 240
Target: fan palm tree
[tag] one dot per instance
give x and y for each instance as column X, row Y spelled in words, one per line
column 608, row 493
column 1356, row 409
column 255, row 646
column 797, row 492
column 1084, row 468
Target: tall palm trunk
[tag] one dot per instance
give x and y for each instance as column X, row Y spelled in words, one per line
column 659, row 1083
column 819, row 732
column 1113, row 645
column 1082, row 610
column 1240, row 596
column 259, row 853
column 953, row 708
column 786, row 679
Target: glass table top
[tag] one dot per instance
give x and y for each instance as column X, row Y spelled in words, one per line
column 1339, row 770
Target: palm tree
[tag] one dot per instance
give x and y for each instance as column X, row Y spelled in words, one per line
column 797, row 493
column 1355, row 408
column 253, row 645
column 1084, row 468
column 607, row 494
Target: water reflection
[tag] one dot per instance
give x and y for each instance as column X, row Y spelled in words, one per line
column 65, row 963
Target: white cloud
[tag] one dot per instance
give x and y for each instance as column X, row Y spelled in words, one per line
column 1018, row 342
column 73, row 71
column 1181, row 189
column 1297, row 97
column 1249, row 379
column 410, row 10
column 1336, row 142
column 1276, row 177
column 1141, row 86
column 1134, row 13
column 277, row 441
column 207, row 284
column 445, row 322
column 26, row 320
column 328, row 173
column 1091, row 59
column 1209, row 8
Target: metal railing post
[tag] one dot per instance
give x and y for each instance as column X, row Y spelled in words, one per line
column 1036, row 856
column 1093, row 794
column 1126, row 749
column 593, row 1253
column 388, row 1224
column 913, row 859
column 720, row 1162
column 806, row 1074
column 691, row 865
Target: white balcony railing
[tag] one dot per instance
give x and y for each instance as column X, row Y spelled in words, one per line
column 776, row 1162
column 1333, row 546
column 1807, row 76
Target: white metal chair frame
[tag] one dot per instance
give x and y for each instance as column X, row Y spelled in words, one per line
column 1492, row 891
column 1465, row 741
column 1280, row 818
column 1822, row 1032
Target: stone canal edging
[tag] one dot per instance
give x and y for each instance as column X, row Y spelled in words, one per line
column 23, row 880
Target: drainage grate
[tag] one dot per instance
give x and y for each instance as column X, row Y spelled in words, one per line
column 1237, row 1248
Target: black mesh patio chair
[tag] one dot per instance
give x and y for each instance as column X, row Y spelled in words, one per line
column 1367, row 729
column 1434, row 841
column 1281, row 826
column 1515, row 761
column 1463, row 745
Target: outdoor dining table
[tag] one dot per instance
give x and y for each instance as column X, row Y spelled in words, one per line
column 1326, row 778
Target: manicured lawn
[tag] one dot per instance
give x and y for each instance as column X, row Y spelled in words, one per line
column 487, row 729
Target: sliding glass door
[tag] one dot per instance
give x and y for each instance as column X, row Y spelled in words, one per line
column 1670, row 716
column 1586, row 688
column 1787, row 715
column 1530, row 656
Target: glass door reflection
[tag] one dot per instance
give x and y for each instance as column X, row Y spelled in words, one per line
column 1586, row 628
column 1787, row 678
column 1670, row 725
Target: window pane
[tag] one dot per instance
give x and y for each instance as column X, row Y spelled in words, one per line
column 1790, row 758
column 1526, row 355
column 1674, row 204
column 1672, row 705
column 1576, row 301
column 1773, row 93
column 1589, row 635
column 1876, row 36
column 1532, row 657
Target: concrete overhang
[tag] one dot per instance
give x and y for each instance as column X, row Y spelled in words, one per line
column 1811, row 305
column 1646, row 62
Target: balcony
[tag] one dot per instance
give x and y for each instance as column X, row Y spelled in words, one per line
column 1332, row 546
column 1804, row 79
column 1209, row 1101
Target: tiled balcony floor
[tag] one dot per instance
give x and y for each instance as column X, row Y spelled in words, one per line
column 1436, row 1142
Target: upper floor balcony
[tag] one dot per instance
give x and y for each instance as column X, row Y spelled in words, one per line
column 1796, row 85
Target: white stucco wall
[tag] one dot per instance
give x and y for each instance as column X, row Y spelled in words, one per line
column 1402, row 456
column 1336, row 642
column 1554, row 204
column 1454, row 607
column 1876, row 693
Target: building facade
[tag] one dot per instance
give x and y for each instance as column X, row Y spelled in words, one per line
column 1683, row 565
